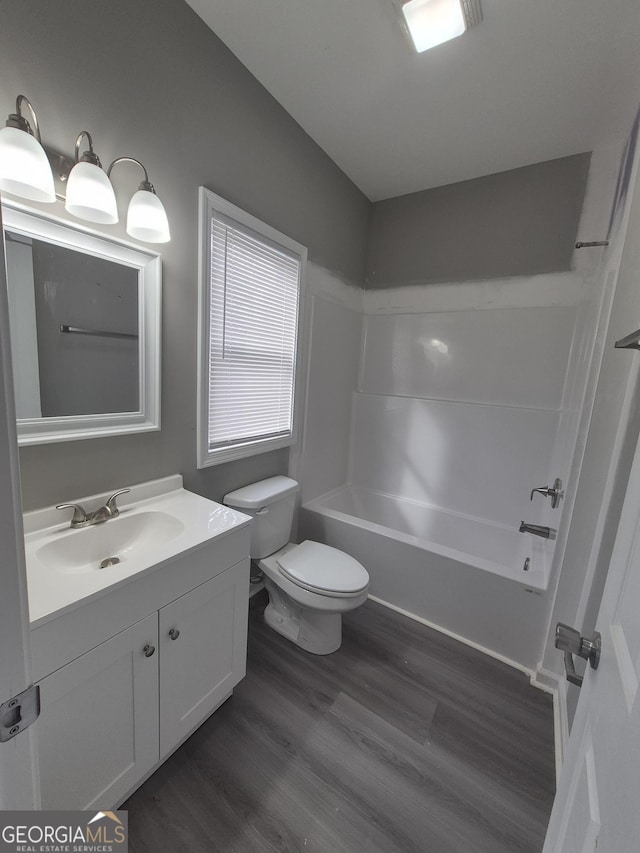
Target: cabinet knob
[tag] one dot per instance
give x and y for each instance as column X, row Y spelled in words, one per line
column 174, row 633
column 149, row 650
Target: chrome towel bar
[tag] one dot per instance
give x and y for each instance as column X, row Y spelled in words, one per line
column 73, row 330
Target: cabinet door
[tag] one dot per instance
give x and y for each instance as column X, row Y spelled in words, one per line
column 98, row 727
column 206, row 657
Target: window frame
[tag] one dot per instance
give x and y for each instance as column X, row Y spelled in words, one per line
column 210, row 204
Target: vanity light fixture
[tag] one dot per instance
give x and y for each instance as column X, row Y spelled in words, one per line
column 146, row 216
column 432, row 22
column 24, row 167
column 27, row 169
column 90, row 195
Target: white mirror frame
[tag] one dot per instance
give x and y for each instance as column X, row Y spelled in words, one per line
column 62, row 232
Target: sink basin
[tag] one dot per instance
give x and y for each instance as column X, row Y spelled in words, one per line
column 127, row 537
column 159, row 523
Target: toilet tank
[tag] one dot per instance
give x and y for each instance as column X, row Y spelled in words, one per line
column 271, row 503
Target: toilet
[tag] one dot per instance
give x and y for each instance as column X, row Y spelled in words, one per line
column 310, row 585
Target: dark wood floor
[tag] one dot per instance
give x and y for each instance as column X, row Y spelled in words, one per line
column 403, row 740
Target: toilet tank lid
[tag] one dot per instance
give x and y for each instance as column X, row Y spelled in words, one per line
column 263, row 493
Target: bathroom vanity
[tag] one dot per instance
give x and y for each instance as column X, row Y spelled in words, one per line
column 132, row 657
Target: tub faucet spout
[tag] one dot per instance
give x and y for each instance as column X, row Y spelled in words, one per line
column 537, row 530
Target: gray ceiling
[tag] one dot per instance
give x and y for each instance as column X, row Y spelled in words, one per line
column 536, row 80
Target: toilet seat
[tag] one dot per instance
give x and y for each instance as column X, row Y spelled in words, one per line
column 323, row 570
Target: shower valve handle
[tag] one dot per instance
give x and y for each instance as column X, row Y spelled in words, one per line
column 554, row 492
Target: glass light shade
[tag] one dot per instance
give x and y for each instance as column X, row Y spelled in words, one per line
column 432, row 22
column 24, row 168
column 90, row 195
column 147, row 218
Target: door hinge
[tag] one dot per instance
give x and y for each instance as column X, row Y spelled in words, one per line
column 18, row 713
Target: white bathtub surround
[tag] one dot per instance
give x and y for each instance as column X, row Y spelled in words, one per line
column 487, row 603
column 466, row 399
column 460, row 409
column 334, row 326
column 487, row 546
column 333, row 287
column 501, row 356
column 474, row 459
column 537, row 291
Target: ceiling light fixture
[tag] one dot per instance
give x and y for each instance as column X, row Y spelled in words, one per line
column 27, row 169
column 432, row 22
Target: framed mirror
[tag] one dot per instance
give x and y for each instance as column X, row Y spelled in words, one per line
column 84, row 313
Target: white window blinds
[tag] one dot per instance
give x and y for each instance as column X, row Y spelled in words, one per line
column 253, row 321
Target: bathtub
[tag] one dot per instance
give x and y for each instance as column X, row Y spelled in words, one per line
column 462, row 575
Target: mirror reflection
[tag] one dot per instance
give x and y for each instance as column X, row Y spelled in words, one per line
column 74, row 322
column 85, row 314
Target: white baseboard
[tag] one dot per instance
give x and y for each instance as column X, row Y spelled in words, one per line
column 556, row 684
column 457, row 637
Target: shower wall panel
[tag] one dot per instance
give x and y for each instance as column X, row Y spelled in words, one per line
column 334, row 323
column 460, row 409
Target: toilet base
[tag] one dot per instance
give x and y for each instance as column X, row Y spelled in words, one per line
column 315, row 631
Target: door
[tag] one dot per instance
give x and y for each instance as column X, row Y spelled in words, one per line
column 203, row 652
column 18, row 766
column 597, row 806
column 98, row 727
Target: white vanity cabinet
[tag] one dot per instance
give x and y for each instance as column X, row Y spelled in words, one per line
column 127, row 676
column 98, row 728
column 203, row 652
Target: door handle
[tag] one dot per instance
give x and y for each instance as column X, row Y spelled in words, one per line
column 571, row 642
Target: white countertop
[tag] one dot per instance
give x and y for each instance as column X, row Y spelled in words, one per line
column 54, row 589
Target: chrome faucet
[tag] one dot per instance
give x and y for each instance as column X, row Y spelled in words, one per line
column 81, row 519
column 537, row 530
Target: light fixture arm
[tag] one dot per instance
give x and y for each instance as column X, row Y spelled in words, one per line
column 89, row 156
column 18, row 121
column 144, row 185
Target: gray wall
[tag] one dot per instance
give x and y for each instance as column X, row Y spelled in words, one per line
column 521, row 222
column 148, row 79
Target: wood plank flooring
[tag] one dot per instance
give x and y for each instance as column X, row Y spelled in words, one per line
column 403, row 740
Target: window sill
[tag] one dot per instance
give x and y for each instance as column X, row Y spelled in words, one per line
column 207, row 458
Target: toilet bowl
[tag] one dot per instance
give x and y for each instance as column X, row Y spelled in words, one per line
column 309, row 585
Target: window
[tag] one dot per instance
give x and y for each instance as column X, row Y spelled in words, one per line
column 250, row 284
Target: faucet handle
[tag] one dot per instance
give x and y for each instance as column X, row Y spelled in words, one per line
column 111, row 503
column 79, row 515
